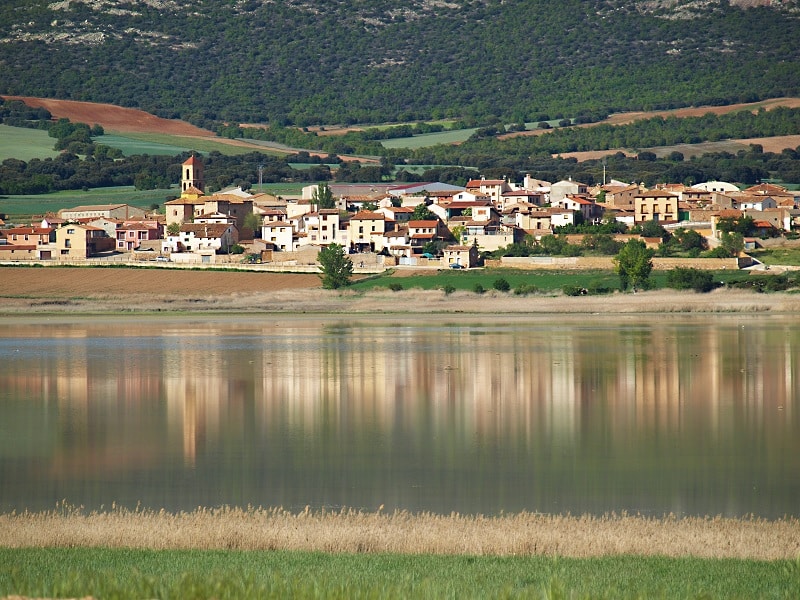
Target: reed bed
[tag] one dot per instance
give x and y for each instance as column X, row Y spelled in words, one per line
column 400, row 532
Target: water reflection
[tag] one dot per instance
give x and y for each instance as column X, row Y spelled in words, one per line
column 693, row 415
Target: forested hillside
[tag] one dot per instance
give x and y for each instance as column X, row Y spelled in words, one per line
column 344, row 61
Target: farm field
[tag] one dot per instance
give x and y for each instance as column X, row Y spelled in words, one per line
column 24, row 144
column 133, row 573
column 22, row 208
column 124, row 121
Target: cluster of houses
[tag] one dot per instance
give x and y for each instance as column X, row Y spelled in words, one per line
column 485, row 215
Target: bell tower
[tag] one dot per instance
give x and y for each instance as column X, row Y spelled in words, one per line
column 192, row 173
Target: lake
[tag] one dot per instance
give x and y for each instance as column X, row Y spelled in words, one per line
column 687, row 414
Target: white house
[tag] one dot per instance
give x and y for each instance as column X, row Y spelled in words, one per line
column 194, row 237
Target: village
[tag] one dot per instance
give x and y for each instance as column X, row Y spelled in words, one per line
column 381, row 225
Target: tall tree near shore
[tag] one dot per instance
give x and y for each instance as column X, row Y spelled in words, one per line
column 337, row 268
column 633, row 264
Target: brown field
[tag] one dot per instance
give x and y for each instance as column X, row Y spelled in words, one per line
column 74, row 291
column 113, row 118
column 349, row 531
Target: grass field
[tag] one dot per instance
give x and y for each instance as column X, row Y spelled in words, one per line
column 777, row 256
column 21, row 208
column 25, row 144
column 430, row 139
column 133, row 141
column 127, row 573
column 543, row 281
column 130, row 146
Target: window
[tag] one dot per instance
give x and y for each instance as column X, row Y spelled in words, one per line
column 68, row 243
column 70, row 231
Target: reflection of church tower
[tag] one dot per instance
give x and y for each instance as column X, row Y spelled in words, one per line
column 192, row 174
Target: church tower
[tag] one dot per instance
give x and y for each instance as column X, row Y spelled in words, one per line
column 192, row 174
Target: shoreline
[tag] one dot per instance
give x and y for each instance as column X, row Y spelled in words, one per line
column 385, row 303
column 358, row 532
column 143, row 292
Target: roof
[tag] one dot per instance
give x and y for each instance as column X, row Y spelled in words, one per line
column 656, row 194
column 522, row 193
column 192, row 190
column 28, row 230
column 183, row 201
column 729, row 212
column 192, row 160
column 473, row 183
column 93, row 208
column 205, row 230
column 137, row 226
column 366, row 215
column 458, row 248
column 422, row 224
column 464, row 204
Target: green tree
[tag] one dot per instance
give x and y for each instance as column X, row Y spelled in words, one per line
column 323, row 197
column 422, row 213
column 337, row 268
column 732, row 243
column 633, row 264
column 252, row 222
column 174, row 228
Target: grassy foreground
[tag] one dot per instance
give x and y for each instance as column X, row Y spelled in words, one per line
column 274, row 553
column 187, row 574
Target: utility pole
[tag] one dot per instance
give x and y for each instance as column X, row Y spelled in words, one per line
column 260, row 178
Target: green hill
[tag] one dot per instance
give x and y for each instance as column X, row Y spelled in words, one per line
column 369, row 61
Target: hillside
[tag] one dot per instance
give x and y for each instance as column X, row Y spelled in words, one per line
column 370, row 61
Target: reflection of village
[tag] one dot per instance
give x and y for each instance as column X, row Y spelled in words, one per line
column 124, row 402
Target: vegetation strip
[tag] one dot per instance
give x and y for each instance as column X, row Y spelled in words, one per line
column 401, row 532
column 129, row 573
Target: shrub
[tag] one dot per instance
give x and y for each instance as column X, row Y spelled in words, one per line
column 448, row 289
column 501, row 285
column 573, row 290
column 718, row 252
column 596, row 288
column 524, row 289
column 478, row 289
column 396, row 287
column 764, row 283
column 681, row 278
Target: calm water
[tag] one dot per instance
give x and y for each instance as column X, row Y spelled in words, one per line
column 691, row 415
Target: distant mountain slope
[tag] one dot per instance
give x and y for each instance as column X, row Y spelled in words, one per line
column 343, row 61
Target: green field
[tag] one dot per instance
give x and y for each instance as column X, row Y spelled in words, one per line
column 25, row 144
column 138, row 143
column 128, row 573
column 543, row 281
column 777, row 256
column 22, row 208
column 130, row 146
column 430, row 139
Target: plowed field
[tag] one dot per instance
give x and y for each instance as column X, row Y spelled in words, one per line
column 88, row 282
column 113, row 118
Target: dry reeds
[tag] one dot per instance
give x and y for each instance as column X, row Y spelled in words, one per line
column 352, row 531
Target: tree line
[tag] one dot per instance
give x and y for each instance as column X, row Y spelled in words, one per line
column 376, row 62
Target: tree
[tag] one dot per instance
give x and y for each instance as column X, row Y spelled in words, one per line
column 732, row 242
column 252, row 222
column 337, row 268
column 422, row 213
column 174, row 228
column 323, row 197
column 633, row 264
